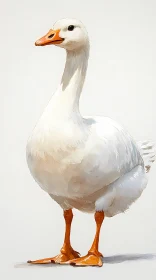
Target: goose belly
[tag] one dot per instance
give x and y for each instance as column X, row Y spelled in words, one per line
column 76, row 177
column 63, row 178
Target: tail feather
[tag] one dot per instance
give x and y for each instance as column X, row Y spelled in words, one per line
column 148, row 153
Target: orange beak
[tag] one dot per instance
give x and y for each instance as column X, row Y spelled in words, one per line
column 52, row 37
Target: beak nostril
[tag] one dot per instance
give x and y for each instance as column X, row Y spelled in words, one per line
column 50, row 36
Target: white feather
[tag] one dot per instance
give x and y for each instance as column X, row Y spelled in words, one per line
column 148, row 153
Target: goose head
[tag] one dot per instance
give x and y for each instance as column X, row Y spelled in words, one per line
column 69, row 34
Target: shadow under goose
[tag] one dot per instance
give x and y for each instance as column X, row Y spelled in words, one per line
column 128, row 257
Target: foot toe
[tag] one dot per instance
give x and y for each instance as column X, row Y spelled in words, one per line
column 42, row 261
column 88, row 260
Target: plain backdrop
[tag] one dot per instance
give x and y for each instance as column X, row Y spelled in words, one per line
column 121, row 83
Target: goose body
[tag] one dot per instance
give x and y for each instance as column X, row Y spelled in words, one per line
column 88, row 163
column 79, row 171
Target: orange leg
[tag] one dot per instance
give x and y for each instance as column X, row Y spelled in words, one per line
column 93, row 258
column 67, row 252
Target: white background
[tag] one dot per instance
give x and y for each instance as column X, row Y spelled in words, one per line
column 121, row 83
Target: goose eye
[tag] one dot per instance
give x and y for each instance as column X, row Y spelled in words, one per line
column 71, row 27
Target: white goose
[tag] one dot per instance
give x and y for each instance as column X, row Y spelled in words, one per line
column 92, row 163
